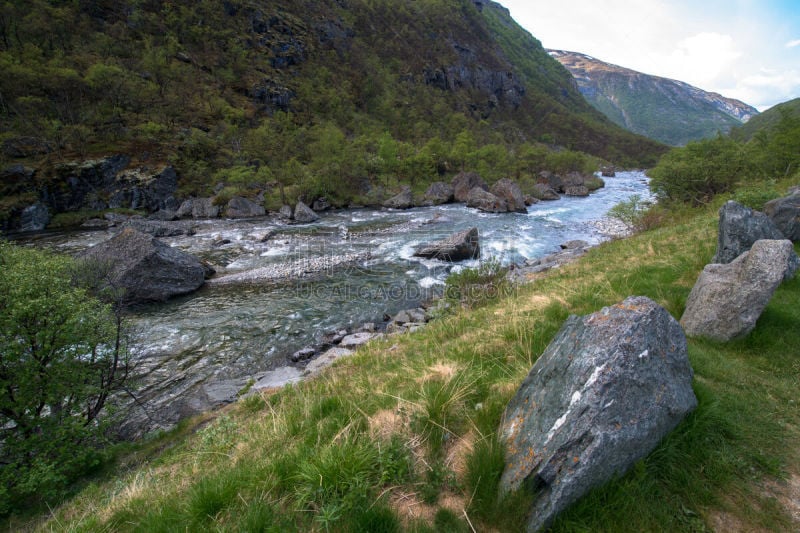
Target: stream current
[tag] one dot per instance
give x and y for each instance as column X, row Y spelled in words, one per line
column 194, row 351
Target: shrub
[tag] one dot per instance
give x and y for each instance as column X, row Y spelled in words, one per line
column 699, row 171
column 61, row 354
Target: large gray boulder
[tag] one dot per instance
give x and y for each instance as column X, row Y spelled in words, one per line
column 785, row 213
column 239, row 207
column 509, row 191
column 457, row 247
column 198, row 208
column 576, row 190
column 402, row 200
column 739, row 228
column 542, row 191
column 438, row 193
column 605, row 392
column 727, row 299
column 464, row 182
column 486, row 201
column 35, row 217
column 304, row 214
column 146, row 268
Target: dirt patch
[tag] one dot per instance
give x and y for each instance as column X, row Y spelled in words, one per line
column 457, row 454
column 787, row 492
column 385, row 424
column 443, row 370
column 409, row 507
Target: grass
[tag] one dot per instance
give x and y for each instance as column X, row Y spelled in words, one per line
column 402, row 436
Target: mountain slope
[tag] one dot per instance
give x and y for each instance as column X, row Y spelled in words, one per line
column 667, row 110
column 209, row 86
column 768, row 120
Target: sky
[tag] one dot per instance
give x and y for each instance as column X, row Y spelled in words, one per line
column 743, row 49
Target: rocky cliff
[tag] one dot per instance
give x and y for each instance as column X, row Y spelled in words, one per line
column 663, row 109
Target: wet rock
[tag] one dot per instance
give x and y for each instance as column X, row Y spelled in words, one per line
column 367, row 327
column 509, row 191
column 304, row 214
column 403, row 200
column 410, row 315
column 198, row 208
column 278, row 378
column 333, row 337
column 146, row 268
column 739, row 228
column 295, row 270
column 285, row 212
column 302, row 355
column 439, row 193
column 157, row 228
column 728, row 299
column 34, row 218
column 545, row 192
column 321, row 204
column 325, row 360
column 554, row 181
column 603, row 395
column 458, row 247
column 608, row 172
column 164, row 215
column 116, row 219
column 354, row 340
column 464, row 182
column 573, row 245
column 239, row 207
column 530, row 200
column 486, row 201
column 577, row 190
column 785, row 213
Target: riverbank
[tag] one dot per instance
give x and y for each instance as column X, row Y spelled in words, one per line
column 281, row 287
column 400, row 435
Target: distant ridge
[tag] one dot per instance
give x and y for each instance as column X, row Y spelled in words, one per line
column 667, row 110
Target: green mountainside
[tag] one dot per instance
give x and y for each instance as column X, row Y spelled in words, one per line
column 670, row 111
column 330, row 96
column 767, row 121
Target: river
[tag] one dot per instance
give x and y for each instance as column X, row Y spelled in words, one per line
column 195, row 351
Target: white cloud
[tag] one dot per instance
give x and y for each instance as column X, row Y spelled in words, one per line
column 681, row 39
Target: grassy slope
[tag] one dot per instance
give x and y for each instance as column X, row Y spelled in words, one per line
column 766, row 121
column 401, row 435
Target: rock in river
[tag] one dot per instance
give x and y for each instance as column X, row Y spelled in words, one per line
column 145, row 267
column 486, row 201
column 601, row 397
column 458, row 247
column 304, row 214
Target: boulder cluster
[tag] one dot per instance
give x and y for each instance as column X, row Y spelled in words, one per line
column 504, row 196
column 613, row 384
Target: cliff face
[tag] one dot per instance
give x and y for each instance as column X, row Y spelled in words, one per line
column 667, row 110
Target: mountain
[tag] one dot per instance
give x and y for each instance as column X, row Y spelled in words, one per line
column 667, row 110
column 337, row 95
column 768, row 120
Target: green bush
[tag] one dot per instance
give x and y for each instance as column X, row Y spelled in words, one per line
column 61, row 354
column 700, row 170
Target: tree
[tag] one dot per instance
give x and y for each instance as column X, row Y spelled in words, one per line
column 699, row 171
column 62, row 353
